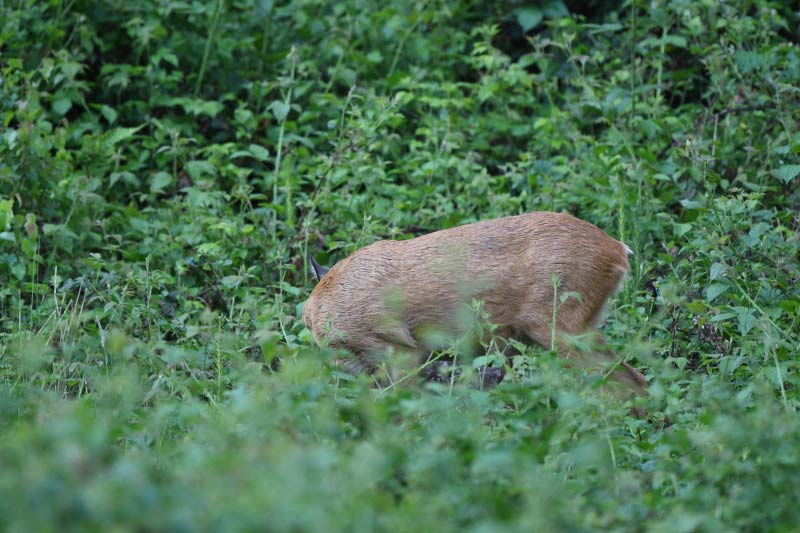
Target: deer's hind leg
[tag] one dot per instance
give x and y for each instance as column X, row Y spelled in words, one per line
column 599, row 358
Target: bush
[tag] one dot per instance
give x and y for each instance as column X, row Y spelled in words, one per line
column 167, row 169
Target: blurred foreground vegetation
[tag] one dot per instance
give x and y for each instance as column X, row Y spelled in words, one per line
column 168, row 167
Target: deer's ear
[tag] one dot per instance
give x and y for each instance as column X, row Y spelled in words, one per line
column 317, row 271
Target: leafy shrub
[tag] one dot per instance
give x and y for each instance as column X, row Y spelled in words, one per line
column 168, row 168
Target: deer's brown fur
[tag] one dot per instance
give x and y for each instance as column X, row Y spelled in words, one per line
column 384, row 295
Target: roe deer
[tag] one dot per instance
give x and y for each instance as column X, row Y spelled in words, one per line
column 386, row 294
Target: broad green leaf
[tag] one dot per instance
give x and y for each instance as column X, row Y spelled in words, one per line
column 554, row 9
column 786, row 173
column 198, row 169
column 108, row 113
column 231, row 282
column 721, row 317
column 528, row 17
column 682, row 229
column 748, row 60
column 209, row 248
column 259, row 152
column 280, row 109
column 197, row 106
column 718, row 270
column 714, row 290
column 747, row 320
column 160, row 181
column 112, row 137
column 6, row 213
column 62, row 105
column 139, row 224
column 697, row 306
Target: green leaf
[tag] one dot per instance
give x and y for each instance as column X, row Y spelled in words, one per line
column 139, row 224
column 786, row 173
column 746, row 320
column 717, row 271
column 675, row 40
column 714, row 290
column 231, row 282
column 555, row 9
column 198, row 169
column 160, row 181
column 108, row 113
column 258, row 152
column 748, row 60
column 528, row 17
column 280, row 109
column 6, row 213
column 209, row 248
column 116, row 135
column 682, row 229
column 124, row 176
column 62, row 106
column 697, row 306
column 721, row 317
column 290, row 289
column 197, row 106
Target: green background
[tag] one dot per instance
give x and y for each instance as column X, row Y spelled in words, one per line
column 168, row 167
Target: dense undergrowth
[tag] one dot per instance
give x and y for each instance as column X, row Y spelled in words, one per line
column 167, row 168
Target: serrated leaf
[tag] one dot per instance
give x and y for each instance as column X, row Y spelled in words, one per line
column 258, row 152
column 62, row 106
column 555, row 9
column 748, row 60
column 6, row 213
column 197, row 106
column 697, row 306
column 682, row 229
column 290, row 289
column 714, row 290
column 196, row 169
column 480, row 361
column 139, row 224
column 124, row 176
column 108, row 113
column 528, row 17
column 160, row 181
column 717, row 271
column 675, row 40
column 231, row 282
column 786, row 173
column 208, row 248
column 116, row 135
column 721, row 317
column 790, row 306
column 746, row 321
column 280, row 109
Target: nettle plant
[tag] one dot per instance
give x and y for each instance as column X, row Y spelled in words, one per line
column 738, row 266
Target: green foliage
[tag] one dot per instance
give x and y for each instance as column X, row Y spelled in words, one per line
column 167, row 168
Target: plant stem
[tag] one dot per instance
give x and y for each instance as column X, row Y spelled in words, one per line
column 287, row 100
column 219, row 359
column 556, row 283
column 209, row 39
